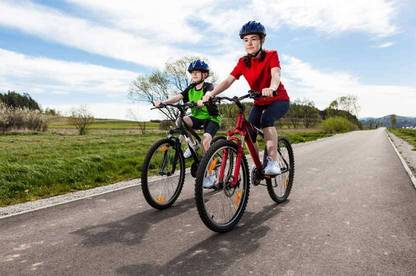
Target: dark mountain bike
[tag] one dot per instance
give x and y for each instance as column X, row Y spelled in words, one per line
column 221, row 208
column 163, row 170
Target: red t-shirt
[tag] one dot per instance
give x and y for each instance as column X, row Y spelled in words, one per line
column 259, row 76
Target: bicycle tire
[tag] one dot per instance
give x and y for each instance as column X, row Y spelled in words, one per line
column 199, row 190
column 291, row 170
column 145, row 175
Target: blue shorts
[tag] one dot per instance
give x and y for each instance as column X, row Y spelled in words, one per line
column 262, row 116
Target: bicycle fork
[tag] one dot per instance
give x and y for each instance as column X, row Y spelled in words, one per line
column 236, row 168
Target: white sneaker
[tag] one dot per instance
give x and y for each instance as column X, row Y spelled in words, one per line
column 187, row 153
column 272, row 167
column 209, row 181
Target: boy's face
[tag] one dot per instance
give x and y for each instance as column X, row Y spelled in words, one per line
column 197, row 76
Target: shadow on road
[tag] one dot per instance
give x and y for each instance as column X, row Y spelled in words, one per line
column 215, row 254
column 130, row 230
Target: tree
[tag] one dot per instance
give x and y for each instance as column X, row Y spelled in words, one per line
column 16, row 100
column 310, row 113
column 294, row 114
column 81, row 119
column 347, row 103
column 141, row 125
column 51, row 112
column 160, row 84
column 303, row 111
column 393, row 121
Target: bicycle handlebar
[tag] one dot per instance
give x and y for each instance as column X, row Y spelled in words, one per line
column 178, row 106
column 251, row 94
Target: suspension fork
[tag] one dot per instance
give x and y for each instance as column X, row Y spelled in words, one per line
column 166, row 157
column 237, row 166
column 223, row 164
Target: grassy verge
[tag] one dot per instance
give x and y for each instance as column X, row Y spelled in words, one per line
column 62, row 123
column 34, row 166
column 408, row 135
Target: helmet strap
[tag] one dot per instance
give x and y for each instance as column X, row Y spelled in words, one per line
column 256, row 53
column 200, row 81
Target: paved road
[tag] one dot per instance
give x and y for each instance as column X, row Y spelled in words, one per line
column 352, row 211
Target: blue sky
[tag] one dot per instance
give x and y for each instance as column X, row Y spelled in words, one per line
column 87, row 52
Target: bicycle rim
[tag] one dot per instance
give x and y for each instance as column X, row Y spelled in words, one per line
column 221, row 208
column 163, row 174
column 279, row 187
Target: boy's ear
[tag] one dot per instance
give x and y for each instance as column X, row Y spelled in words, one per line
column 205, row 74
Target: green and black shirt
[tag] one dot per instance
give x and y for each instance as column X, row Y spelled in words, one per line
column 210, row 112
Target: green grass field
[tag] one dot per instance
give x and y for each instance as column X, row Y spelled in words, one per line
column 408, row 135
column 38, row 165
column 63, row 123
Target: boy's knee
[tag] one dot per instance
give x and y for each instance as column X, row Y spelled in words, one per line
column 188, row 121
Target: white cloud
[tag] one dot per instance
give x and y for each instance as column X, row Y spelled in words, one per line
column 304, row 81
column 148, row 33
column 333, row 17
column 48, row 76
column 386, row 44
column 157, row 19
column 52, row 25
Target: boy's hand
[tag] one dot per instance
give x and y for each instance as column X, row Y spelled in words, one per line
column 200, row 103
column 157, row 103
column 206, row 97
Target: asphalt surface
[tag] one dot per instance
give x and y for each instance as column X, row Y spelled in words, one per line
column 352, row 211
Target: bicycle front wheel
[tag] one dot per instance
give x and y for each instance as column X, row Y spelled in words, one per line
column 279, row 187
column 221, row 207
column 163, row 174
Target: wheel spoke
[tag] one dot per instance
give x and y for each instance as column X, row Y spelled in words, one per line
column 227, row 201
column 163, row 179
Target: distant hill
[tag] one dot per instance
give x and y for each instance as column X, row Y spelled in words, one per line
column 385, row 121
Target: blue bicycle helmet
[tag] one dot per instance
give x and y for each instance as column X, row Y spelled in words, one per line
column 252, row 27
column 198, row 65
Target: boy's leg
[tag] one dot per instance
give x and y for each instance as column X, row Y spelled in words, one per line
column 188, row 121
column 210, row 129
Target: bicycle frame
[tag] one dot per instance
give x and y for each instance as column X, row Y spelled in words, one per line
column 182, row 129
column 241, row 129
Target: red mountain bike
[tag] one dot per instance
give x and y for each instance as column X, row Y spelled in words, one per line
column 222, row 207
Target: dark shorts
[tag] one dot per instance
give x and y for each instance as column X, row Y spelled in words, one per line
column 262, row 116
column 209, row 126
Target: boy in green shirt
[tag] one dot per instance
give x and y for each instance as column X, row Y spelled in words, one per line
column 206, row 117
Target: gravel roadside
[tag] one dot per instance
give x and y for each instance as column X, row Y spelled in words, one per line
column 406, row 150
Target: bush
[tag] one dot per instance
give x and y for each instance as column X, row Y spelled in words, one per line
column 165, row 124
column 81, row 119
column 21, row 118
column 337, row 125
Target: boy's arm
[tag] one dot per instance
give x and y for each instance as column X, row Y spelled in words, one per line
column 171, row 100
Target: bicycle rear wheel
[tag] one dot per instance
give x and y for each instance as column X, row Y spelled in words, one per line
column 221, row 208
column 279, row 187
column 163, row 174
